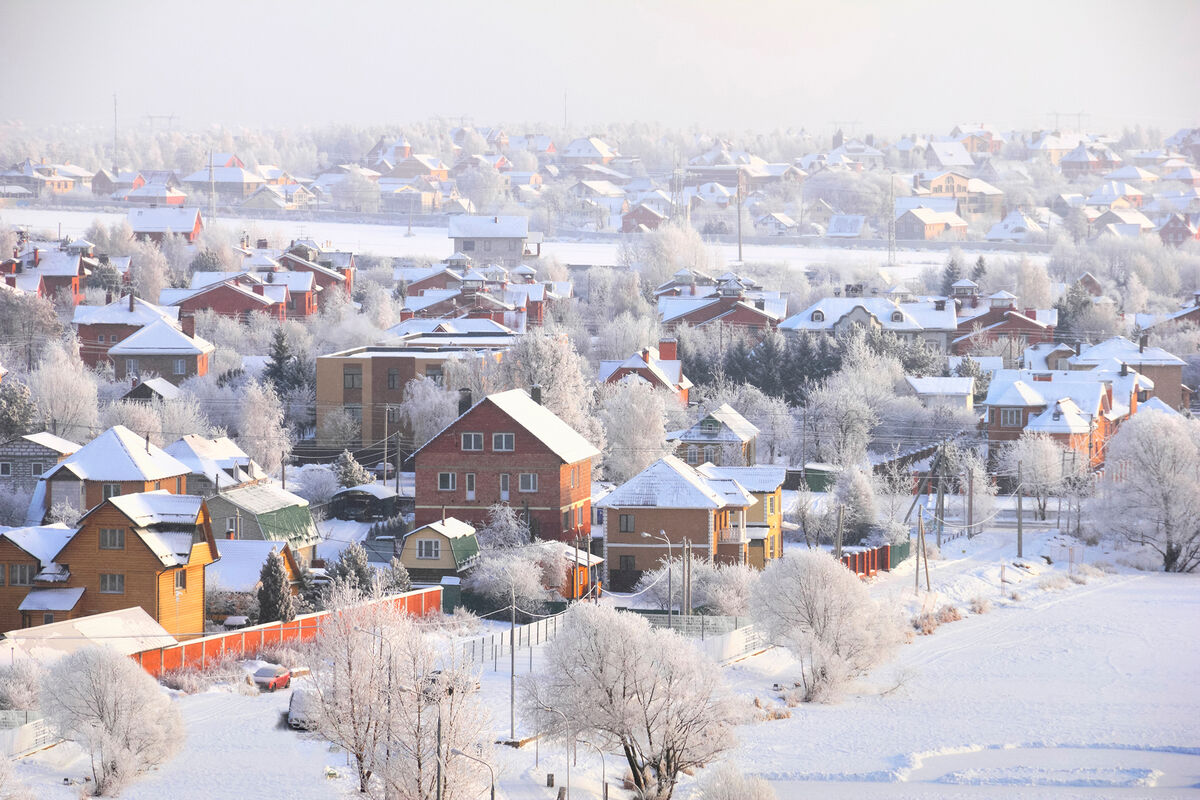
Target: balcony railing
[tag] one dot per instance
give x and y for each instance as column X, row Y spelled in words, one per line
column 732, row 536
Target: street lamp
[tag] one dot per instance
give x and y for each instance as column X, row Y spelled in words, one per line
column 670, row 558
column 491, row 772
column 567, row 723
column 603, row 773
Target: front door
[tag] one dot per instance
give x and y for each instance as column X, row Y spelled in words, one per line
column 504, row 486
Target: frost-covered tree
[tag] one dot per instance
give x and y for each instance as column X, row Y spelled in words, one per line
column 721, row 589
column 632, row 414
column 65, row 392
column 274, row 591
column 148, row 268
column 349, row 472
column 317, row 484
column 353, row 568
column 505, row 527
column 261, row 429
column 645, row 691
column 821, row 612
column 546, row 358
column 141, row 418
column 726, row 782
column 1041, row 464
column 20, row 684
column 855, row 493
column 17, row 410
column 951, row 274
column 339, row 426
column 427, row 408
column 397, row 579
column 115, row 712
column 502, row 575
column 1151, row 493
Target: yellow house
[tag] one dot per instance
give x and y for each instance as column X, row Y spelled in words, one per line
column 764, row 519
column 443, row 548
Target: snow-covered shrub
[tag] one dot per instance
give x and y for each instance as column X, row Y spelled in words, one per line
column 948, row 613
column 503, row 574
column 1053, row 582
column 19, row 685
column 349, row 472
column 980, row 604
column 726, row 782
column 316, row 484
column 113, row 710
column 820, row 611
column 925, row 623
column 286, row 654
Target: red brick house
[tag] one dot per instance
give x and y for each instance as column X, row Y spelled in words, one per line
column 325, row 276
column 508, row 448
column 100, row 327
column 641, row 218
column 730, row 308
column 162, row 348
column 658, row 366
column 229, row 299
column 1177, row 230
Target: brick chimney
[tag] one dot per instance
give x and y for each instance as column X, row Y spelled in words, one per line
column 187, row 323
column 131, row 301
column 257, row 289
column 668, row 350
column 1142, row 342
column 464, row 401
column 535, row 393
column 1031, row 313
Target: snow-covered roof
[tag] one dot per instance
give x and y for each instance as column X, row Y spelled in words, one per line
column 127, row 630
column 161, row 220
column 119, row 454
column 563, row 440
column 1122, row 349
column 758, row 478
column 670, row 483
column 941, row 386
column 241, row 563
column 450, row 527
column 1155, row 404
column 263, row 498
column 373, row 489
column 219, row 460
column 159, row 507
column 732, row 427
column 41, row 541
column 161, row 338
column 118, row 313
column 892, row 316
column 471, row 227
column 52, row 442
column 570, row 553
column 1061, row 417
column 59, row 599
column 1013, row 393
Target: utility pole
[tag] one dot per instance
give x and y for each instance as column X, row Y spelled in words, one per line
column 512, row 652
column 941, row 508
column 838, row 544
column 917, row 549
column 1020, row 515
column 970, row 502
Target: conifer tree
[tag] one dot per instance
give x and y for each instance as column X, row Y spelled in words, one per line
column 397, row 577
column 349, row 472
column 274, row 594
column 352, row 568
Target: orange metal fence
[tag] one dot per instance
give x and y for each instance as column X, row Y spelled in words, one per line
column 249, row 641
column 866, row 563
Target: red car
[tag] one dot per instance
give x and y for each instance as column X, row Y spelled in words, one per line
column 268, row 679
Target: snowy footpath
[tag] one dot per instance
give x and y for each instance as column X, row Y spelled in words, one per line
column 1071, row 690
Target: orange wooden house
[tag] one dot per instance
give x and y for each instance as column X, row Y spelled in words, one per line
column 147, row 549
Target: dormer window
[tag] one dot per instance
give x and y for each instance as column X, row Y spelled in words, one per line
column 897, row 316
column 818, row 316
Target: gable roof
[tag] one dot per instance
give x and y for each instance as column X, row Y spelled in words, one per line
column 118, row 313
column 52, row 442
column 119, row 454
column 471, row 227
column 158, row 508
column 563, row 440
column 161, row 338
column 215, row 459
column 464, row 544
column 758, row 478
column 41, row 541
column 733, row 427
column 242, row 561
column 162, row 220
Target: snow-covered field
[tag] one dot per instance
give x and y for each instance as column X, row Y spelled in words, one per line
column 391, row 240
column 1071, row 691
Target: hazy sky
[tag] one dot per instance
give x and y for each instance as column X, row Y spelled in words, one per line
column 893, row 66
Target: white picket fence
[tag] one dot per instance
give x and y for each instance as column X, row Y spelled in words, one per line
column 491, row 647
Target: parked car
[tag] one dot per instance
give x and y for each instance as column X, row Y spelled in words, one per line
column 268, row 679
column 302, row 709
column 384, row 470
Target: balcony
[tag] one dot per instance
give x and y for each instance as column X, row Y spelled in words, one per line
column 732, row 536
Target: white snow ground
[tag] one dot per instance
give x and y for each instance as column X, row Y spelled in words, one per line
column 1086, row 691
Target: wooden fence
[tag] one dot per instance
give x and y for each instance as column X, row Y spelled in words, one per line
column 869, row 561
column 246, row 642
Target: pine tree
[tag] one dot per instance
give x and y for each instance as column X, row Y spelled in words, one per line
column 397, row 577
column 349, row 472
column 352, row 568
column 280, row 371
column 16, row 410
column 274, row 594
column 980, row 271
column 951, row 275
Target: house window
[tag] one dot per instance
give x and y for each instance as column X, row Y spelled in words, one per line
column 818, row 316
column 771, row 504
column 469, row 485
column 110, row 490
column 393, row 379
column 468, row 245
column 131, row 366
column 528, row 482
column 47, row 617
column 502, row 442
column 627, row 564
column 393, row 414
column 579, row 516
column 100, row 338
column 567, row 520
column 38, row 469
column 897, row 316
column 180, row 579
column 574, row 476
column 487, row 245
column 447, row 481
column 709, row 425
column 180, row 366
column 112, row 538
column 504, row 478
column 692, row 454
column 5, row 469
column 351, row 377
column 472, row 442
column 429, row 548
column 20, row 574
column 112, row 584
column 626, row 523
column 1010, row 417
column 231, row 527
column 434, row 374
